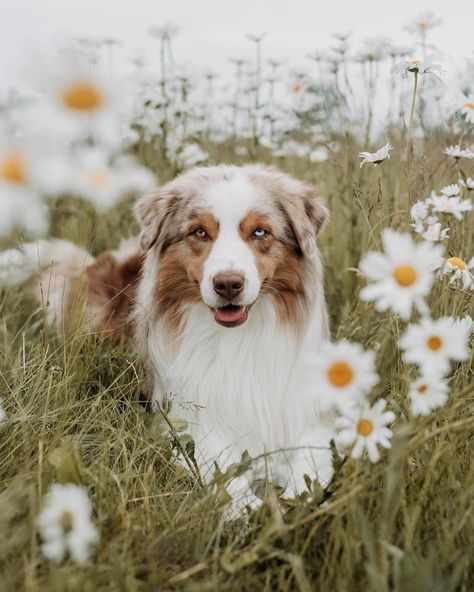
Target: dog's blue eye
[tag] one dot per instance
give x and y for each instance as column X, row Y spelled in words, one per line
column 260, row 232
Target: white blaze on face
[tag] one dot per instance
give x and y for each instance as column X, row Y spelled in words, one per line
column 230, row 202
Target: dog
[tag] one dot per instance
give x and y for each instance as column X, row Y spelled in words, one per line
column 224, row 297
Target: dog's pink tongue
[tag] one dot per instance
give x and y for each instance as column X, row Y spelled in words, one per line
column 229, row 315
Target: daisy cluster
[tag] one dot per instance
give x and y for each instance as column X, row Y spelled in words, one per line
column 71, row 139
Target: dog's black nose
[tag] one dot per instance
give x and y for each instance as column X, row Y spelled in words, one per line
column 228, row 284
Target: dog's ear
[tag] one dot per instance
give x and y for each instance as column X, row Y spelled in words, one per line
column 154, row 213
column 306, row 216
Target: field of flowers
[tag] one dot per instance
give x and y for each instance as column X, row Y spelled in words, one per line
column 90, row 496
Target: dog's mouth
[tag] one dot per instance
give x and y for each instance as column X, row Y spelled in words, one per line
column 231, row 315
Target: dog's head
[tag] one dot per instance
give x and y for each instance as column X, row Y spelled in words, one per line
column 225, row 235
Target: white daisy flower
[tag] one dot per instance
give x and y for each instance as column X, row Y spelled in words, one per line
column 451, row 190
column 468, row 183
column 433, row 343
column 466, row 323
column 467, row 109
column 366, row 428
column 376, row 157
column 423, row 23
column 20, row 197
column 65, row 523
column 420, row 67
column 103, row 183
column 345, row 372
column 80, row 100
column 450, row 205
column 402, row 276
column 434, row 232
column 460, row 271
column 458, row 152
column 419, row 211
column 426, row 394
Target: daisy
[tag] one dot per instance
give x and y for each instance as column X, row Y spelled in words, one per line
column 417, row 66
column 20, row 196
column 450, row 205
column 434, row 232
column 458, row 269
column 103, row 183
column 451, row 190
column 467, row 109
column 419, row 211
column 345, row 372
column 65, row 523
column 402, row 276
column 365, row 427
column 80, row 101
column 426, row 394
column 458, row 152
column 468, row 183
column 433, row 343
column 376, row 157
column 466, row 323
column 423, row 23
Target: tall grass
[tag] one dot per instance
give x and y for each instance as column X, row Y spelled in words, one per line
column 75, row 414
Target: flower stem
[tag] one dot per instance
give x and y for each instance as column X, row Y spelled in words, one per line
column 410, row 142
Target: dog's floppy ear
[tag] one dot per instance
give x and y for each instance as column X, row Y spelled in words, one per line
column 154, row 213
column 306, row 216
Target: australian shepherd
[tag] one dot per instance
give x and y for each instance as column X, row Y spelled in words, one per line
column 223, row 296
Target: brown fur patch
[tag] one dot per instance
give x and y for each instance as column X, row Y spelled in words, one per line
column 111, row 288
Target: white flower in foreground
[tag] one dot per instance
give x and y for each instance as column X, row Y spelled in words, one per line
column 376, row 157
column 426, row 394
column 432, row 344
column 345, row 372
column 365, row 427
column 80, row 101
column 96, row 179
column 417, row 66
column 65, row 523
column 450, row 205
column 458, row 269
column 458, row 152
column 402, row 275
column 451, row 190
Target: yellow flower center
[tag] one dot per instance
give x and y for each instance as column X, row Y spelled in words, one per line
column 67, row 521
column 82, row 96
column 365, row 427
column 469, row 105
column 405, row 275
column 457, row 262
column 423, row 25
column 422, row 389
column 434, row 342
column 12, row 168
column 340, row 374
column 415, row 62
column 99, row 178
column 297, row 88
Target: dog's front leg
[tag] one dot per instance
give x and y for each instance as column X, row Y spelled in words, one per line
column 313, row 457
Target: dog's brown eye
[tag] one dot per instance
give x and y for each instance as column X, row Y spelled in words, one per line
column 199, row 233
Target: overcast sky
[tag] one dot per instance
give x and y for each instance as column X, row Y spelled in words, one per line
column 211, row 31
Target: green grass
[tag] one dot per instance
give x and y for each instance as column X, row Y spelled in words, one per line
column 74, row 413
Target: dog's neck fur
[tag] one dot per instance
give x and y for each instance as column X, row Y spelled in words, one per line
column 247, row 378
